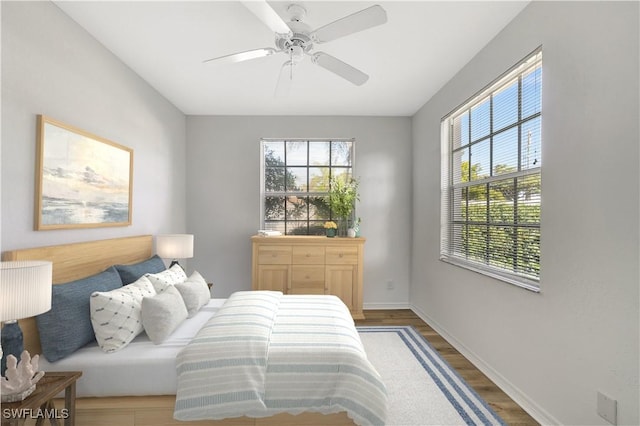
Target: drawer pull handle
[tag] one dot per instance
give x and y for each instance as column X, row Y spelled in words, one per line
column 340, row 255
column 307, row 277
column 274, row 255
column 308, row 254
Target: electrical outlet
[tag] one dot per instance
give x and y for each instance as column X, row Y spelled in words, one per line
column 390, row 285
column 607, row 408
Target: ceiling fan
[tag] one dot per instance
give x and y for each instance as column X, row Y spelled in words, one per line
column 296, row 39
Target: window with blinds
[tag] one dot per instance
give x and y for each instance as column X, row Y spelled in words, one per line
column 295, row 182
column 491, row 192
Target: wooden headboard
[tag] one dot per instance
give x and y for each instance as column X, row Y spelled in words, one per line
column 79, row 260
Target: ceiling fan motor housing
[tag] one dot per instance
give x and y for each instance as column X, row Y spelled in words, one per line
column 300, row 37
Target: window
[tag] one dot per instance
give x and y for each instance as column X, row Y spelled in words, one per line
column 295, row 182
column 491, row 192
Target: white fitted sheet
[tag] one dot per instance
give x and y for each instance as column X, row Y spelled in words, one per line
column 141, row 368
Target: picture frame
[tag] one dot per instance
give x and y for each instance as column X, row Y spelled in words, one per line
column 82, row 180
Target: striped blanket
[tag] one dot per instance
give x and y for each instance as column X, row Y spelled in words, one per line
column 264, row 353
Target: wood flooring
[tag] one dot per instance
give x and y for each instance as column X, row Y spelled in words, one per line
column 499, row 401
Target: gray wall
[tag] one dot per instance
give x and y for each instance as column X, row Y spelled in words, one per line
column 223, row 195
column 555, row 349
column 51, row 66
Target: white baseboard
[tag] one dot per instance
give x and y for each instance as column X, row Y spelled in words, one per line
column 396, row 305
column 527, row 404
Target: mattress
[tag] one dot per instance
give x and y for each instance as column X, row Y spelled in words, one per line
column 141, row 368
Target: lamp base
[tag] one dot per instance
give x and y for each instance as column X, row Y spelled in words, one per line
column 175, row 262
column 12, row 343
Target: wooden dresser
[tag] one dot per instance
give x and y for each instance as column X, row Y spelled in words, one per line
column 310, row 265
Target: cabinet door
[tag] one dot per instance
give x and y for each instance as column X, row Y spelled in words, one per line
column 273, row 277
column 340, row 281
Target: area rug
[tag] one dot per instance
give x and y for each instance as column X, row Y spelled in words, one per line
column 423, row 389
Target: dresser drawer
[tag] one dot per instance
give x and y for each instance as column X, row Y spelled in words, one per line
column 341, row 255
column 307, row 279
column 308, row 255
column 274, row 255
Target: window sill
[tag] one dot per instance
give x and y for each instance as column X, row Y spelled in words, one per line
column 521, row 282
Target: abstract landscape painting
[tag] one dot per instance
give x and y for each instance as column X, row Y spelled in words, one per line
column 83, row 180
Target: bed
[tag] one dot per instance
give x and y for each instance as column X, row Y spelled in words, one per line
column 104, row 399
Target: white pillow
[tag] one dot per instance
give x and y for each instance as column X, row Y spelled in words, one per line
column 195, row 293
column 162, row 313
column 171, row 276
column 116, row 315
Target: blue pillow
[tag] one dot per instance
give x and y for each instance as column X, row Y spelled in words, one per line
column 131, row 273
column 67, row 326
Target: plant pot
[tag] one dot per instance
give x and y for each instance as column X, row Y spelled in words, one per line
column 331, row 232
column 351, row 233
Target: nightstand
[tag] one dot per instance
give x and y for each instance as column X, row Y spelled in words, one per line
column 39, row 405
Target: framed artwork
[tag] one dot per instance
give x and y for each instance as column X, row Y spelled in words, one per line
column 82, row 180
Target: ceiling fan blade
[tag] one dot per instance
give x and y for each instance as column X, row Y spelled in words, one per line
column 243, row 56
column 266, row 14
column 366, row 18
column 340, row 68
column 284, row 80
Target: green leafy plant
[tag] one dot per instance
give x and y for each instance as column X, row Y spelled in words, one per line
column 343, row 194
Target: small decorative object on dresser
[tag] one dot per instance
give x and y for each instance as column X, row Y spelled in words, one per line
column 330, row 228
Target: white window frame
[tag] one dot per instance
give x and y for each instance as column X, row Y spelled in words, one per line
column 451, row 241
column 264, row 224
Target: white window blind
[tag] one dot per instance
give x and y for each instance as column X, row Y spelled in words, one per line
column 491, row 186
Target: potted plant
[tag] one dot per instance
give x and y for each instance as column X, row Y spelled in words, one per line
column 343, row 194
column 330, row 228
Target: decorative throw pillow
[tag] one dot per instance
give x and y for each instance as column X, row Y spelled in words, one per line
column 195, row 292
column 67, row 326
column 116, row 315
column 171, row 276
column 131, row 273
column 162, row 313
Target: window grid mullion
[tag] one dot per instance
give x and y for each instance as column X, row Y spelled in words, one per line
column 487, row 249
column 308, row 183
column 515, row 180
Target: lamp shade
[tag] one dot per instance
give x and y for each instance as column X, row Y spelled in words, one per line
column 174, row 246
column 25, row 288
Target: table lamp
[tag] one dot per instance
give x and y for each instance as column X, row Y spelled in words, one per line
column 25, row 291
column 174, row 246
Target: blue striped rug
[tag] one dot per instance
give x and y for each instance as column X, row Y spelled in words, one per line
column 423, row 388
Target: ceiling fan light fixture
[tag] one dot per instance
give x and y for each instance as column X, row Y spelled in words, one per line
column 296, row 54
column 296, row 12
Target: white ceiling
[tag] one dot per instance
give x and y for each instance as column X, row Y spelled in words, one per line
column 408, row 59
